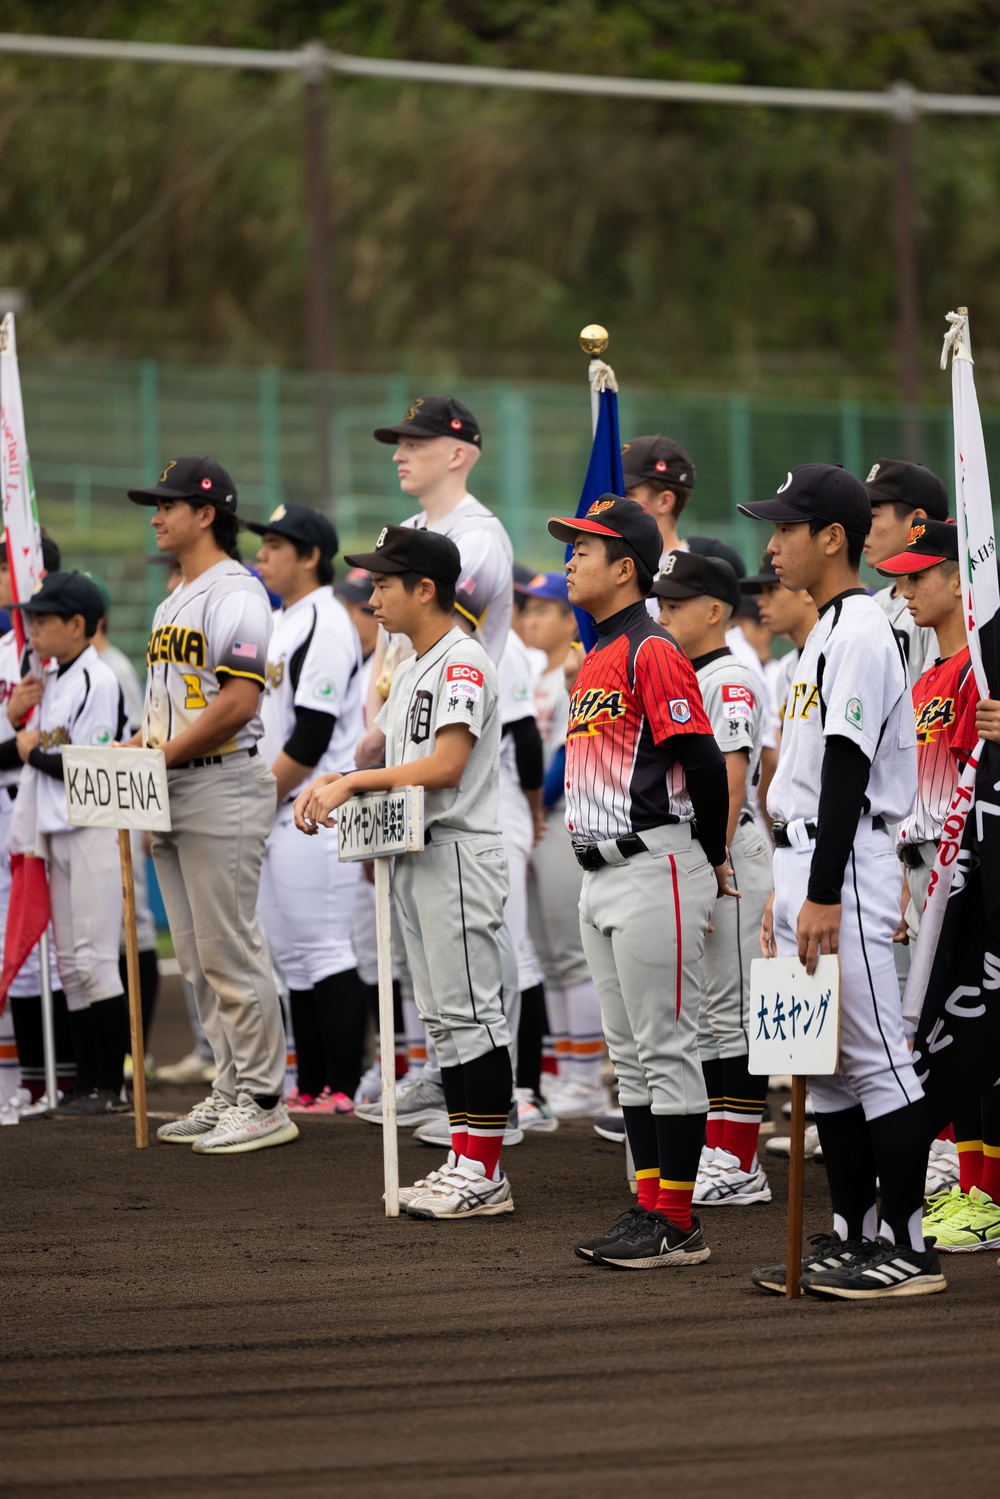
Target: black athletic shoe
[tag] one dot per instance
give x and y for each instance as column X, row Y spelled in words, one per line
column 88, row 1105
column 652, row 1241
column 828, row 1252
column 880, row 1269
column 586, row 1248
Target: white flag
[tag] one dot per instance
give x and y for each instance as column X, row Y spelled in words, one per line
column 17, row 487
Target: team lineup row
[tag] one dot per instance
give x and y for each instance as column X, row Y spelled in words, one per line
column 628, row 783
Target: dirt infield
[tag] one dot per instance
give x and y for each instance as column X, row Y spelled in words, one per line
column 179, row 1326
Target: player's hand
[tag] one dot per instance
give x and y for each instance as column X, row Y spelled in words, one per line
column 818, row 931
column 767, row 943
column 301, row 803
column 26, row 695
column 902, row 933
column 370, row 750
column 539, row 826
column 26, row 741
column 988, row 720
column 723, row 874
column 134, row 743
column 323, row 803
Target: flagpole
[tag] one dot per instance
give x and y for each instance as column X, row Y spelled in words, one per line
column 48, row 1022
column 593, row 341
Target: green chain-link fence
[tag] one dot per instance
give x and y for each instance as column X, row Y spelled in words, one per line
column 96, row 427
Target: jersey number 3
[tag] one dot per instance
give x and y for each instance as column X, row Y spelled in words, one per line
column 195, row 697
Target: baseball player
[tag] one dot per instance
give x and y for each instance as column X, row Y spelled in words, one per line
column 847, row 767
column 698, row 596
column 442, row 728
column 659, row 474
column 641, row 765
column 311, row 712
column 788, row 612
column 967, row 1217
column 206, row 657
column 81, row 703
column 901, row 494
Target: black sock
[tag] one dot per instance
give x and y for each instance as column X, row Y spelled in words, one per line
column 310, row 1071
column 900, row 1141
column 111, row 1034
column 488, row 1083
column 744, row 1091
column 453, row 1084
column 149, row 988
column 640, row 1128
column 850, row 1167
column 989, row 1113
column 84, row 1032
column 529, row 1038
column 65, row 1059
column 26, row 1014
column 968, row 1122
column 343, row 1021
column 711, row 1071
column 679, row 1138
column 266, row 1100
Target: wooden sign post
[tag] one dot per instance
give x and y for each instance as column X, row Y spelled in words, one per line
column 794, row 1028
column 379, row 826
column 123, row 789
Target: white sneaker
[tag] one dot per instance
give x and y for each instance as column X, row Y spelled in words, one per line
column 786, row 1108
column 942, row 1167
column 706, row 1168
column 463, row 1191
column 552, row 1084
column 200, row 1121
column 533, row 1113
column 579, row 1100
column 417, row 1103
column 729, row 1185
column 437, row 1131
column 813, row 1151
column 246, row 1126
column 369, row 1089
column 426, row 1183
column 190, row 1069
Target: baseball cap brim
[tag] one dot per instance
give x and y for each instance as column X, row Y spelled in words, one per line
column 155, row 494
column 776, row 509
column 666, row 588
column 289, row 530
column 908, row 562
column 565, row 529
column 374, row 562
column 412, row 429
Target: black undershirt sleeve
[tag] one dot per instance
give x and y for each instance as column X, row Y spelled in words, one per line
column 842, row 787
column 310, row 739
column 527, row 752
column 49, row 765
column 708, row 787
column 9, row 757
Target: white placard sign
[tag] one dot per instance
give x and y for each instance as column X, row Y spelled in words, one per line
column 116, row 788
column 381, row 823
column 794, row 1017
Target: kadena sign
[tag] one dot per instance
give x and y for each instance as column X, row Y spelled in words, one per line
column 116, row 788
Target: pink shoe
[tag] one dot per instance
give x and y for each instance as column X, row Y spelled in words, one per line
column 342, row 1104
column 324, row 1104
column 301, row 1103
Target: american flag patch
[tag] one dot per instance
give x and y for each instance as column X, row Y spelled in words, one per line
column 241, row 648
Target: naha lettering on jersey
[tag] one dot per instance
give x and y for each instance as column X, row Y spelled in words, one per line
column 936, row 714
column 589, row 709
column 176, row 643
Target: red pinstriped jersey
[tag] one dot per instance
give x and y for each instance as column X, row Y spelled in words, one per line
column 944, row 711
column 636, row 692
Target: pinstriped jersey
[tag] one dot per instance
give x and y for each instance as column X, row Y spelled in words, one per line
column 218, row 626
column 944, row 712
column 635, row 692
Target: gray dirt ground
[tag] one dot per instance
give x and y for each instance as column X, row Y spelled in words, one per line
column 254, row 1326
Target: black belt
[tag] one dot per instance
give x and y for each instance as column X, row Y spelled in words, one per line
column 589, row 855
column 911, row 856
column 213, row 759
column 779, row 831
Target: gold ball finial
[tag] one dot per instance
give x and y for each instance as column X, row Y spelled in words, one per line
column 594, row 339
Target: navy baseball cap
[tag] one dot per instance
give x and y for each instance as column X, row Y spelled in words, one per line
column 686, row 575
column 613, row 516
column 200, row 481
column 912, row 484
column 434, row 416
column 656, row 460
column 711, row 546
column 355, row 587
column 929, row 542
column 817, row 491
column 404, row 549
column 552, row 586
column 67, row 594
column 299, row 523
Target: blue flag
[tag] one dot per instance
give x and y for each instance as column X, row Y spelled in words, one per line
column 604, row 476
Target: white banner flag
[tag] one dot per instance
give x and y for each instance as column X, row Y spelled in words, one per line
column 17, row 487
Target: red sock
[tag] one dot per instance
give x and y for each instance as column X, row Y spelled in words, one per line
column 989, row 1181
column 715, row 1127
column 458, row 1127
column 550, row 1066
column 948, row 1133
column 739, row 1137
column 970, row 1164
column 484, row 1146
column 674, row 1202
column 648, row 1183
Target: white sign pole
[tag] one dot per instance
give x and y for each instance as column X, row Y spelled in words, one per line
column 380, row 826
column 112, row 787
column 48, row 1022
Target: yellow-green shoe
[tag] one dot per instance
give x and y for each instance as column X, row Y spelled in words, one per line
column 941, row 1207
column 976, row 1226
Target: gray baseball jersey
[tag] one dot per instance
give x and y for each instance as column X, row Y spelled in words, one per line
column 732, row 697
column 218, row 626
column 919, row 646
column 484, row 592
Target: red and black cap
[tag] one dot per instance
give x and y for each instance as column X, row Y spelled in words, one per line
column 656, row 460
column 200, row 481
column 816, row 491
column 435, row 416
column 929, row 542
column 404, row 549
column 911, row 483
column 613, row 516
column 300, row 523
column 690, row 575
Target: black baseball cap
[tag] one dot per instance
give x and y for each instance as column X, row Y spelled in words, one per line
column 355, row 587
column 201, row 481
column 929, row 542
column 300, row 523
column 656, row 460
column 711, row 546
column 404, row 549
column 434, row 416
column 687, row 575
column 764, row 575
column 613, row 516
column 820, row 491
column 910, row 483
column 67, row 594
column 51, row 555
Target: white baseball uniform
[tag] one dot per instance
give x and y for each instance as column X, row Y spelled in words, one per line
column 516, row 702
column 850, row 681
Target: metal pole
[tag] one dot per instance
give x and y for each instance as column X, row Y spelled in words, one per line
column 48, row 1023
column 386, row 1034
column 319, row 339
column 907, row 298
